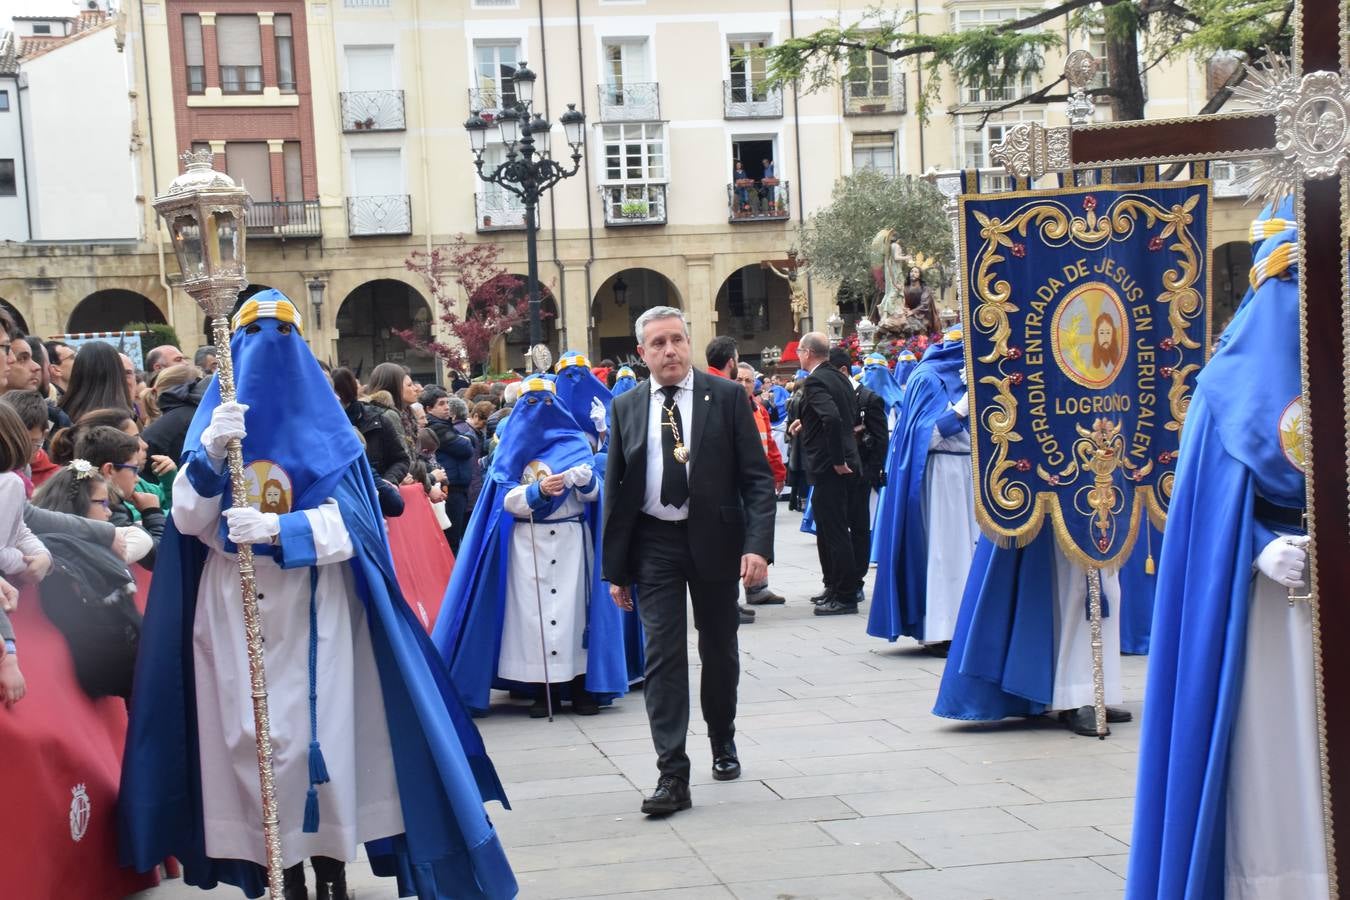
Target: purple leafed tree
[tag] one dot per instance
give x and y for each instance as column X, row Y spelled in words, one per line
column 497, row 301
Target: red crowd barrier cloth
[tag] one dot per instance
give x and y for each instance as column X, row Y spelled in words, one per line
column 62, row 757
column 422, row 558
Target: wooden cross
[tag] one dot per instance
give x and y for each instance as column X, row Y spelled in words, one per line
column 1303, row 133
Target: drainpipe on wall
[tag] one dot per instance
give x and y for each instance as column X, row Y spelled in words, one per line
column 590, row 221
column 154, row 159
column 422, row 115
column 19, row 88
column 801, row 185
column 561, row 303
column 918, row 73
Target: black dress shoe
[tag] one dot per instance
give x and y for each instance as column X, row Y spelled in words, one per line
column 836, row 607
column 333, row 890
column 1116, row 714
column 1082, row 720
column 539, row 708
column 726, row 766
column 939, row 649
column 765, row 597
column 671, row 795
column 817, row 599
column 583, row 701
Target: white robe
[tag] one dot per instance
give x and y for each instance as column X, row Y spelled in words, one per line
column 360, row 803
column 1275, row 833
column 562, row 554
column 1073, row 635
column 949, row 521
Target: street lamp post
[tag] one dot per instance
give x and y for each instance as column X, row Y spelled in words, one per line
column 529, row 169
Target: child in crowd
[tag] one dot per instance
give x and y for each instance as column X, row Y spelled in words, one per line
column 90, row 596
column 118, row 458
column 22, row 555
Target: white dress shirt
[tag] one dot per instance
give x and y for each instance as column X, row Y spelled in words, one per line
column 656, row 421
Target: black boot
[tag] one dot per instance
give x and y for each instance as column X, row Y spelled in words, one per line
column 293, row 883
column 330, row 876
column 539, row 708
column 583, row 701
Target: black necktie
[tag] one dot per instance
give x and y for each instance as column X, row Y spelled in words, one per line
column 674, row 478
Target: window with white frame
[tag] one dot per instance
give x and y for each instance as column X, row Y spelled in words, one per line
column 634, row 152
column 869, row 74
column 627, row 82
column 497, row 207
column 748, row 69
column 494, row 65
column 1002, row 90
column 874, row 151
column 1096, row 45
column 977, row 141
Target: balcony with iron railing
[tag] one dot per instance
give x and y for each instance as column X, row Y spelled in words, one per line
column 630, row 102
column 633, row 204
column 371, row 216
column 498, row 211
column 767, row 200
column 742, row 99
column 364, row 111
column 1232, row 177
column 283, row 219
column 877, row 96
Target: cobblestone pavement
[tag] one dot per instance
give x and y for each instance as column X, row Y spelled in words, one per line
column 851, row 787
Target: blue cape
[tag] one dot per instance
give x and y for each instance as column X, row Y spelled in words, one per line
column 1002, row 659
column 623, row 383
column 1230, row 453
column 903, row 369
column 468, row 632
column 449, row 848
column 1137, row 588
column 899, row 594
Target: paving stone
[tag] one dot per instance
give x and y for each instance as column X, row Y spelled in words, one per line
column 807, row 862
column 597, row 853
column 946, row 851
column 838, row 887
column 556, row 884
column 1077, row 812
column 1077, row 878
column 855, row 782
column 908, row 827
column 711, row 836
column 882, row 803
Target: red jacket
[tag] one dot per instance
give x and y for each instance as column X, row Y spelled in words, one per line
column 765, row 438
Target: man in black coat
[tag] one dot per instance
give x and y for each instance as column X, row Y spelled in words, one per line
column 829, row 413
column 177, row 406
column 689, row 506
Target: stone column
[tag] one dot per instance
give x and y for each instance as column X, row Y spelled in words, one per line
column 210, row 53
column 277, row 161
column 267, row 38
column 577, row 335
column 700, row 304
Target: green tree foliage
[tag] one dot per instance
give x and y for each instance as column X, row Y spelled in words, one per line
column 154, row 334
column 993, row 56
column 837, row 238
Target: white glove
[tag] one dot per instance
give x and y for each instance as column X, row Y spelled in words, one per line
column 962, row 407
column 598, row 417
column 1283, row 560
column 248, row 526
column 578, row 476
column 227, row 422
column 963, row 375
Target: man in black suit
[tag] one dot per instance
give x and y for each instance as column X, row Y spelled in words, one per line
column 829, row 412
column 689, row 506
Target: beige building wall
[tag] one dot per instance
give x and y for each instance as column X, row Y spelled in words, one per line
column 430, row 51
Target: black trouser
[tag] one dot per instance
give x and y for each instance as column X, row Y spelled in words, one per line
column 843, row 531
column 456, row 507
column 665, row 569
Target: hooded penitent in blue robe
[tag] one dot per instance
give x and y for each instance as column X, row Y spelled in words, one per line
column 624, row 381
column 1232, row 466
column 449, row 849
column 578, row 388
column 904, row 367
column 899, row 595
column 468, row 632
column 877, row 377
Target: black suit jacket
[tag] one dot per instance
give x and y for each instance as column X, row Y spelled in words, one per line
column 874, row 439
column 829, row 412
column 731, row 496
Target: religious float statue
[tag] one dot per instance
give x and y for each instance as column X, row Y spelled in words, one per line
column 908, row 306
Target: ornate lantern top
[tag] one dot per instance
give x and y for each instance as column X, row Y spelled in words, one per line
column 204, row 212
column 198, row 176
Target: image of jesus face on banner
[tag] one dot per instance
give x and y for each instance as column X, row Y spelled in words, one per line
column 1090, row 335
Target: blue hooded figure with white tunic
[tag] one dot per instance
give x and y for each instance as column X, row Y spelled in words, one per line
column 624, row 380
column 526, row 606
column 905, row 362
column 584, row 396
column 1229, row 798
column 877, row 377
column 927, row 523
column 371, row 744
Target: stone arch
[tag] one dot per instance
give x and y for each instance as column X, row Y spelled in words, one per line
column 367, row 324
column 640, row 289
column 510, row 353
column 111, row 309
column 19, row 321
column 754, row 306
column 1232, row 263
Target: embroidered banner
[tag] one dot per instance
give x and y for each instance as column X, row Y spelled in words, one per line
column 1087, row 318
